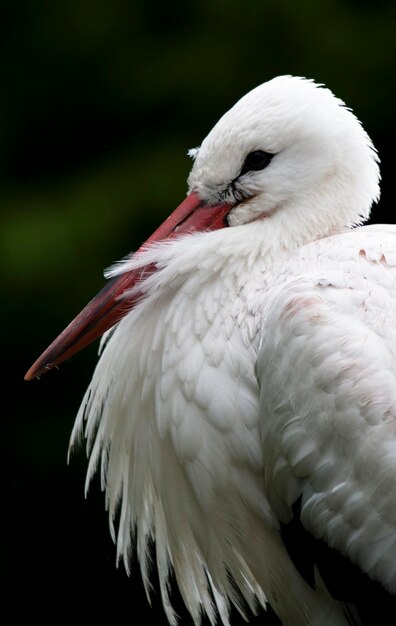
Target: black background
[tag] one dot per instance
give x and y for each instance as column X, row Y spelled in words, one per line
column 99, row 103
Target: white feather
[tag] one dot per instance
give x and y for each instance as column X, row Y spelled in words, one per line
column 259, row 365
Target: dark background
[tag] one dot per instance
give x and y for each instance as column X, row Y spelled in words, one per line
column 99, row 103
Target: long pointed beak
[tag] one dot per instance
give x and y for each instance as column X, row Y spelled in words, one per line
column 108, row 306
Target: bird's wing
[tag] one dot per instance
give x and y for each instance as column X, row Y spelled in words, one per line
column 327, row 374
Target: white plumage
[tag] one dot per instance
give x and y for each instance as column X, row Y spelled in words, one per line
column 257, row 369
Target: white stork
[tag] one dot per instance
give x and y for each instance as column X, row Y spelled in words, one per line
column 243, row 411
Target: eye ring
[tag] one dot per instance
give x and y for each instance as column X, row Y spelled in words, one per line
column 256, row 160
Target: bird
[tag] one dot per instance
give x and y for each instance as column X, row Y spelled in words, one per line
column 242, row 413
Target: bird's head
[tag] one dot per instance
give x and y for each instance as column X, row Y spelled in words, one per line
column 289, row 145
column 290, row 152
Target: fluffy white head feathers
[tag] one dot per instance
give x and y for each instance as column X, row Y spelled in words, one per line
column 324, row 169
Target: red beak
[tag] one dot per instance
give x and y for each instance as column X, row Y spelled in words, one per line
column 108, row 307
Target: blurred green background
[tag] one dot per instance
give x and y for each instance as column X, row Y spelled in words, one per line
column 100, row 101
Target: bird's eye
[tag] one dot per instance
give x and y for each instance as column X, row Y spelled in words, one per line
column 256, row 160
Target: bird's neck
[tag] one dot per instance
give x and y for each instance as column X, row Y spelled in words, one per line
column 269, row 239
